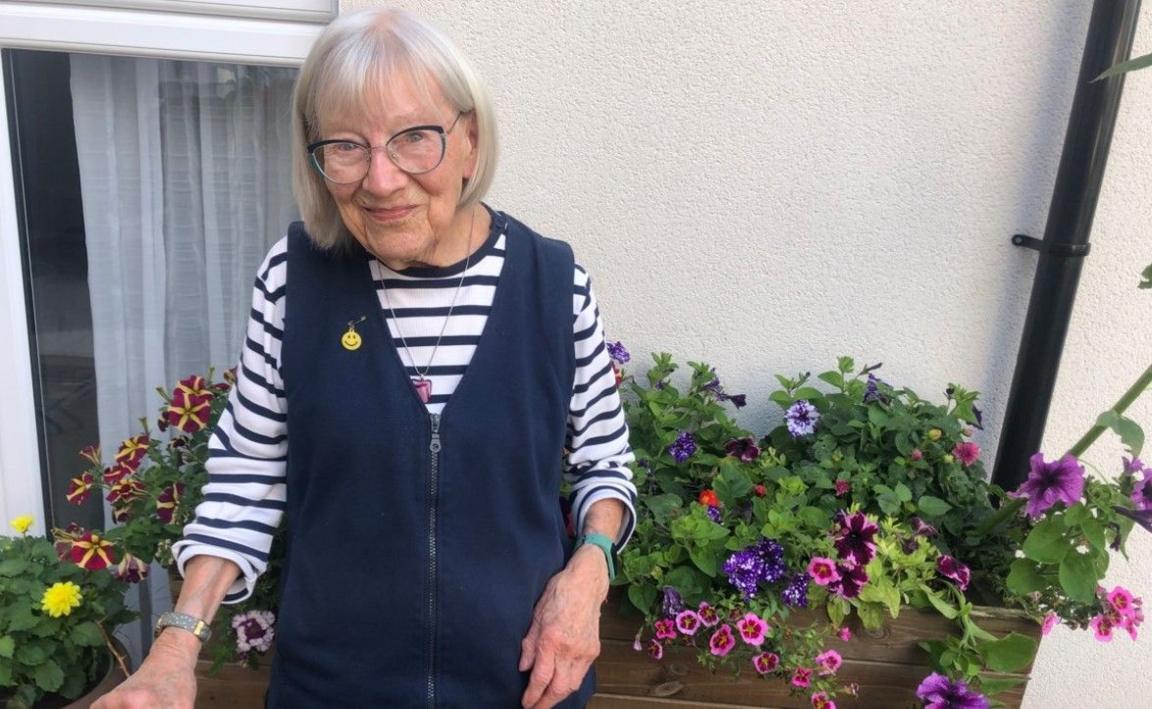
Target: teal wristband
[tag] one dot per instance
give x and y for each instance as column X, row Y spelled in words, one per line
column 605, row 545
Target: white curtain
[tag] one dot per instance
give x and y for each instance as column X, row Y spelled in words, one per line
column 184, row 170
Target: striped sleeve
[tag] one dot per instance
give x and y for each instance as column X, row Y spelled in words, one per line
column 244, row 498
column 599, row 454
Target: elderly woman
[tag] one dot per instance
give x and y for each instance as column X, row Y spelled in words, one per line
column 415, row 365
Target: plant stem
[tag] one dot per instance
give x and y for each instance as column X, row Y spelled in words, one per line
column 1119, row 408
column 119, row 657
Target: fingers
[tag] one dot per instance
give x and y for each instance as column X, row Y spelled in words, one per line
column 565, row 681
column 528, row 647
column 543, row 669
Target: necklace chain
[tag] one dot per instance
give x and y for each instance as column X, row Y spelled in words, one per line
column 421, row 376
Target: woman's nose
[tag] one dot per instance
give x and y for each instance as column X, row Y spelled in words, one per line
column 383, row 176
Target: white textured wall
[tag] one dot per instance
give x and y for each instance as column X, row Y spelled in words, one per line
column 766, row 185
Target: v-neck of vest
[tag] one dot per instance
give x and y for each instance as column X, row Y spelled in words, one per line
column 497, row 299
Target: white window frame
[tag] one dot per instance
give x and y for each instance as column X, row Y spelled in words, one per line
column 241, row 31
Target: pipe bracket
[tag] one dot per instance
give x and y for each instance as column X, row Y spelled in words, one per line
column 1064, row 250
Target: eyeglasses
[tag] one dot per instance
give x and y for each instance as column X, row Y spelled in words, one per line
column 414, row 150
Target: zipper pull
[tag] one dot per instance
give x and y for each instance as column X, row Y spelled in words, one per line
column 434, row 446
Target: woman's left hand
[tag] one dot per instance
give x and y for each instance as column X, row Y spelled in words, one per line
column 565, row 635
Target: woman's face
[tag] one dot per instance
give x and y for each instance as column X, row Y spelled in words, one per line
column 406, row 220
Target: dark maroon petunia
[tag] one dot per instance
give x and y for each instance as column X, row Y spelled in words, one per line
column 948, row 566
column 855, row 540
column 743, row 448
column 852, row 579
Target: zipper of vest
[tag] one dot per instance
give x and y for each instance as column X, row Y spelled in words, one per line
column 433, row 486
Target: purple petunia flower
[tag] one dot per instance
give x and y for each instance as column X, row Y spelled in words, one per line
column 852, row 579
column 795, row 594
column 762, row 562
column 939, row 692
column 683, row 447
column 738, row 400
column 1135, row 465
column 855, row 540
column 951, row 568
column 922, row 529
column 714, row 514
column 801, row 418
column 254, row 631
column 618, row 353
column 1049, row 483
column 872, row 392
column 673, row 603
column 1142, row 492
column 743, row 448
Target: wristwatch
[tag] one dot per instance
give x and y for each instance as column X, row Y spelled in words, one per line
column 192, row 624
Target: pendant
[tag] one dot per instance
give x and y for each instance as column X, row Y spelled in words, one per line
column 351, row 339
column 423, row 388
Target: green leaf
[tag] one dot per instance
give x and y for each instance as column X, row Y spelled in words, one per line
column 706, row 559
column 814, row 517
column 991, row 687
column 877, row 416
column 31, row 655
column 642, row 597
column 732, row 485
column 930, row 506
column 1078, row 577
column 662, row 506
column 1009, row 654
column 838, row 610
column 903, row 493
column 1025, row 578
column 807, row 393
column 845, row 364
column 21, row 619
column 88, row 634
column 1131, row 435
column 836, row 379
column 7, row 646
column 13, row 567
column 1046, row 542
column 871, row 615
column 943, row 607
column 1124, row 67
column 48, row 676
column 1094, row 532
column 1147, row 274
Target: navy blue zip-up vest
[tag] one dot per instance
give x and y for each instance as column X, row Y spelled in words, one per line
column 419, row 545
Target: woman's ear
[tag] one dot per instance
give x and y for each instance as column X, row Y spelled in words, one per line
column 473, row 152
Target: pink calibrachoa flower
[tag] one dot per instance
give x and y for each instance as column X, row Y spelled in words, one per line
column 843, row 487
column 1121, row 600
column 820, row 700
column 722, row 641
column 752, row 629
column 845, row 633
column 829, row 661
column 766, row 662
column 665, row 629
column 130, row 569
column 655, row 649
column 688, row 622
column 823, row 570
column 802, row 678
column 168, row 501
column 92, row 552
column 708, row 615
column 1102, row 628
column 254, row 630
column 133, row 450
column 967, row 453
column 1050, row 622
column 79, row 489
column 190, row 405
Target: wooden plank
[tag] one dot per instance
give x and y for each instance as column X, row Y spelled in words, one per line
column 232, row 687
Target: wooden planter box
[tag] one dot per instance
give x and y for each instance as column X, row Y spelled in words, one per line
column 888, row 666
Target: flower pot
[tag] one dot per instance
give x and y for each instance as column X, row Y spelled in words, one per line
column 109, row 681
column 887, row 665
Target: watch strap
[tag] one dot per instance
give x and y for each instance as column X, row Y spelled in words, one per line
column 605, row 544
column 192, row 624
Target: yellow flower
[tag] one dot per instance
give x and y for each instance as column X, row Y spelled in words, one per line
column 61, row 598
column 934, row 434
column 22, row 523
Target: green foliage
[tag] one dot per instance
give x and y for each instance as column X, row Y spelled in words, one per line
column 42, row 654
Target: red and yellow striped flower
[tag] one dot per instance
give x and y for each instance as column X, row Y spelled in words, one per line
column 114, row 475
column 168, row 501
column 93, row 552
column 125, row 491
column 91, row 454
column 130, row 569
column 190, row 405
column 132, row 451
column 80, row 488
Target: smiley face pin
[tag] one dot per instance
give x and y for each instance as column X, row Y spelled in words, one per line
column 351, row 339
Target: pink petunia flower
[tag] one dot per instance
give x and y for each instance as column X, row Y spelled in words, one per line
column 1050, row 622
column 655, row 649
column 845, row 633
column 722, row 641
column 752, row 629
column 766, row 662
column 708, row 615
column 802, row 678
column 829, row 661
column 820, row 700
column 843, row 487
column 665, row 629
column 823, row 570
column 688, row 622
column 967, row 453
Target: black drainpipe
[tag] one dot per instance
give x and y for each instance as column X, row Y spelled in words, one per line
column 1065, row 242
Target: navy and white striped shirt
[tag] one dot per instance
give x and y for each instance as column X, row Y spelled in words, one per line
column 244, row 498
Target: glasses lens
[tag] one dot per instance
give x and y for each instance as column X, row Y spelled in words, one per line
column 342, row 162
column 417, row 150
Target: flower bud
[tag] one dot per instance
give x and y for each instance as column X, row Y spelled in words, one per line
column 934, row 434
column 949, row 458
column 917, row 454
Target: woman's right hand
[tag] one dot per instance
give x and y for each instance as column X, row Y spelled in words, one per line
column 166, row 679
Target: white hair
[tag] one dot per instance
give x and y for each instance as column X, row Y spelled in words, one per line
column 357, row 54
